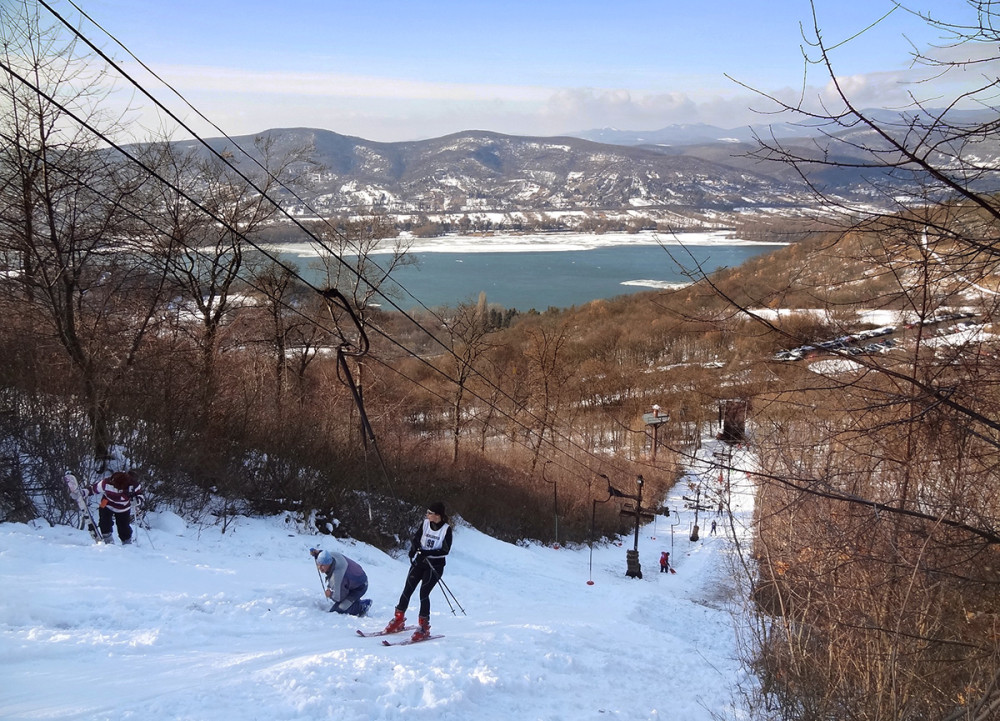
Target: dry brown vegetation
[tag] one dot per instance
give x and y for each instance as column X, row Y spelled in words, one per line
column 133, row 320
column 874, row 569
column 877, row 556
column 146, row 320
column 874, row 564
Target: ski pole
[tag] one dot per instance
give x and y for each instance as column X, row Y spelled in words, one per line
column 314, row 552
column 453, row 598
column 447, row 600
column 141, row 522
column 446, row 591
column 441, row 586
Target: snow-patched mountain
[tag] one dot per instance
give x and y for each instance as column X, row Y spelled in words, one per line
column 479, row 171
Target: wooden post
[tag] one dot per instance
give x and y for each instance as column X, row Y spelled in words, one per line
column 655, row 420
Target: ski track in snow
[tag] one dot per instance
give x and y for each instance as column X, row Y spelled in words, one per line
column 191, row 623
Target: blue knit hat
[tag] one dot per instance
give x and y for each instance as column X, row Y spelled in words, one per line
column 325, row 558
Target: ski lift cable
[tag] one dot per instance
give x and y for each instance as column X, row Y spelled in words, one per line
column 219, row 155
column 357, row 351
column 201, row 207
column 251, row 283
column 248, row 280
column 225, row 160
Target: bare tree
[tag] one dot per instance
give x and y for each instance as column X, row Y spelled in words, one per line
column 468, row 339
column 354, row 262
column 358, row 256
column 215, row 208
column 295, row 331
column 71, row 213
column 877, row 516
column 549, row 372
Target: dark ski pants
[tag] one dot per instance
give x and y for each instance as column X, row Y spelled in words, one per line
column 425, row 575
column 352, row 602
column 107, row 518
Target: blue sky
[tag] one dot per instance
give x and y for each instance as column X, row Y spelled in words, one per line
column 405, row 70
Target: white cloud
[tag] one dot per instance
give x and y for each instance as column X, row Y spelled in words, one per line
column 618, row 108
column 391, row 109
column 381, row 108
column 899, row 89
column 338, row 85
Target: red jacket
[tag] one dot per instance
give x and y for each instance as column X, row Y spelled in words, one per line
column 118, row 489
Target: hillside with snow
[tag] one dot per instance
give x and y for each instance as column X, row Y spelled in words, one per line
column 190, row 623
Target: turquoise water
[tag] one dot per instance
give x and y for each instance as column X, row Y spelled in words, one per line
column 546, row 279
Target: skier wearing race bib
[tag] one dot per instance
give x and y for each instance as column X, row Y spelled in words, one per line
column 430, row 543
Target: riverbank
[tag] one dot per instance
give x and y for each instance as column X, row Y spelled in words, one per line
column 540, row 242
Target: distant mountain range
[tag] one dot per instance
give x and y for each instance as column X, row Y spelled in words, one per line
column 702, row 134
column 683, row 174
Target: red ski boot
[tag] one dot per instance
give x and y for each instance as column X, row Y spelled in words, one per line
column 423, row 630
column 396, row 624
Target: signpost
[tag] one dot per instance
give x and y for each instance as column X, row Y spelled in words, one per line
column 654, row 420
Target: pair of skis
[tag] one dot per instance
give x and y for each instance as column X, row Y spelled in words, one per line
column 404, row 642
column 73, row 488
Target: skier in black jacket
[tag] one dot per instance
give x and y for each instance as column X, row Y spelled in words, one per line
column 429, row 545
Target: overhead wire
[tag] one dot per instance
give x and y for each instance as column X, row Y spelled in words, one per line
column 278, row 206
column 132, row 158
column 249, row 281
column 225, row 160
column 220, row 156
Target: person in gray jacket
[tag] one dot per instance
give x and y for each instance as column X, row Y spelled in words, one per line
column 346, row 582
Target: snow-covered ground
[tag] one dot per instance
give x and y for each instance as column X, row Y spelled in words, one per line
column 874, row 317
column 190, row 623
column 505, row 242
